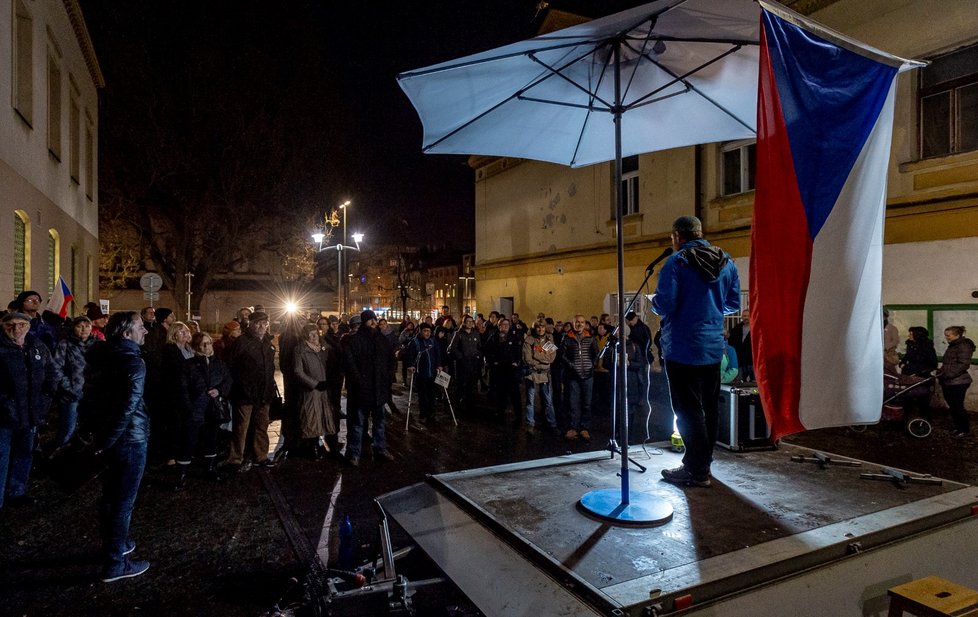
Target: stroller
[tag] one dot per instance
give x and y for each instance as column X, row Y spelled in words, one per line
column 903, row 392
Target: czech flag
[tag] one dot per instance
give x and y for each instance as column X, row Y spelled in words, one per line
column 60, row 298
column 825, row 116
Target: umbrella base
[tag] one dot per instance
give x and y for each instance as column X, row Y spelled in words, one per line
column 642, row 509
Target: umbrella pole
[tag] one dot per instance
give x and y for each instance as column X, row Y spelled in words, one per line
column 623, row 506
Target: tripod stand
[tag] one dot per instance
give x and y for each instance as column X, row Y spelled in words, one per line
column 613, row 446
column 620, row 399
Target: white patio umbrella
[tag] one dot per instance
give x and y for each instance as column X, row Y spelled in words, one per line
column 667, row 74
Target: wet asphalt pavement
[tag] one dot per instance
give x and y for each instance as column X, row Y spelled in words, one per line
column 231, row 548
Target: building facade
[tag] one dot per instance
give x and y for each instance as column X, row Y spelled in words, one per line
column 48, row 150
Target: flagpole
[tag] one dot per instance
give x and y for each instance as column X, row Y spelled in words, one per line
column 622, row 505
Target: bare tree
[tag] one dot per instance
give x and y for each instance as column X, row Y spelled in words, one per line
column 203, row 163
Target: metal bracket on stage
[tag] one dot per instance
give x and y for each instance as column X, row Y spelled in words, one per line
column 614, row 449
column 901, row 478
column 824, row 460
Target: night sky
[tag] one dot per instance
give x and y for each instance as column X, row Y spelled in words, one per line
column 326, row 72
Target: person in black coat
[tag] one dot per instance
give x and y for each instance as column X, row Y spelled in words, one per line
column 205, row 384
column 739, row 339
column 504, row 355
column 28, row 380
column 253, row 387
column 367, row 358
column 113, row 397
column 921, row 358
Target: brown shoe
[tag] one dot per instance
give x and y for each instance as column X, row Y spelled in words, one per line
column 383, row 455
column 570, row 435
column 585, row 435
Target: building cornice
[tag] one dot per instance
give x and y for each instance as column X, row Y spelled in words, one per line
column 84, row 41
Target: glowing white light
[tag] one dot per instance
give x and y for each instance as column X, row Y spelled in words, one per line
column 291, row 307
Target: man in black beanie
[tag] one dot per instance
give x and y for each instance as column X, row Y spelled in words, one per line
column 29, row 303
column 368, row 360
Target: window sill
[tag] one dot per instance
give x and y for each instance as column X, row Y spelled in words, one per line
column 939, row 161
column 733, row 200
column 628, row 218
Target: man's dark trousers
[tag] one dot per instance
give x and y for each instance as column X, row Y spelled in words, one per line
column 695, row 391
column 426, row 395
column 120, row 482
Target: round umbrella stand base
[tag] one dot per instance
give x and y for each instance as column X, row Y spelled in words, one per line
column 642, row 509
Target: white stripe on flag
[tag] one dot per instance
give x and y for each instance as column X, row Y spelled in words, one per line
column 842, row 352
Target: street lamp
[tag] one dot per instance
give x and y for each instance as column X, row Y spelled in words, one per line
column 320, row 237
column 339, row 256
column 465, row 293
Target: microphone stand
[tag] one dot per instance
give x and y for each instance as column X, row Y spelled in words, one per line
column 613, row 445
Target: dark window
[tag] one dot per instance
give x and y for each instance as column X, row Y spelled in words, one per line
column 629, row 185
column 737, row 167
column 949, row 104
column 23, row 82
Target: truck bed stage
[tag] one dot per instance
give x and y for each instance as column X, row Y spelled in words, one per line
column 768, row 535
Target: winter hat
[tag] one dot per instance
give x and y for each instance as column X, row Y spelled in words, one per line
column 16, row 315
column 23, row 296
column 367, row 316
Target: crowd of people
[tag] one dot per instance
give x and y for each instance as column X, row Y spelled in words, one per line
column 109, row 379
column 496, row 366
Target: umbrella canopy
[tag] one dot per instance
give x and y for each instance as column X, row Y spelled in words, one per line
column 688, row 76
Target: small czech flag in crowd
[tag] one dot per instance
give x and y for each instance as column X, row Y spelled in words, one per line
column 60, row 298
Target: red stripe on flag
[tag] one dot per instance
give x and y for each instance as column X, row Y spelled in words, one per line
column 781, row 254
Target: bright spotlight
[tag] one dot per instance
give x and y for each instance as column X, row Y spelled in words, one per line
column 291, row 307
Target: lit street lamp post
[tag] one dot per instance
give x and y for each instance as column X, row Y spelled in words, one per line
column 465, row 294
column 319, row 237
column 341, row 278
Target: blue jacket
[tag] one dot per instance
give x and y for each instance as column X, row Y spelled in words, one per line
column 28, row 380
column 113, row 399
column 697, row 286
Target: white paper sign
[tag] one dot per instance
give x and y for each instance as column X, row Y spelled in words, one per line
column 443, row 379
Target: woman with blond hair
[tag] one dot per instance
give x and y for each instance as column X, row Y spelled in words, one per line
column 954, row 376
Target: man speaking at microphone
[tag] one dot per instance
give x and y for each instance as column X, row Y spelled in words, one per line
column 697, row 286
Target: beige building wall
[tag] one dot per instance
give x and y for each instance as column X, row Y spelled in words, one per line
column 55, row 196
column 545, row 234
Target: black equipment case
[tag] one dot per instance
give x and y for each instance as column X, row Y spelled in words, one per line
column 742, row 422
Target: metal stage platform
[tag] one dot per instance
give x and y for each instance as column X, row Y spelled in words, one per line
column 515, row 541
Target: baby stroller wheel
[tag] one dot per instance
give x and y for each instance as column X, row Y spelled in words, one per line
column 918, row 427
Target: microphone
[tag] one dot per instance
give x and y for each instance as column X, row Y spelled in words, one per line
column 664, row 254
